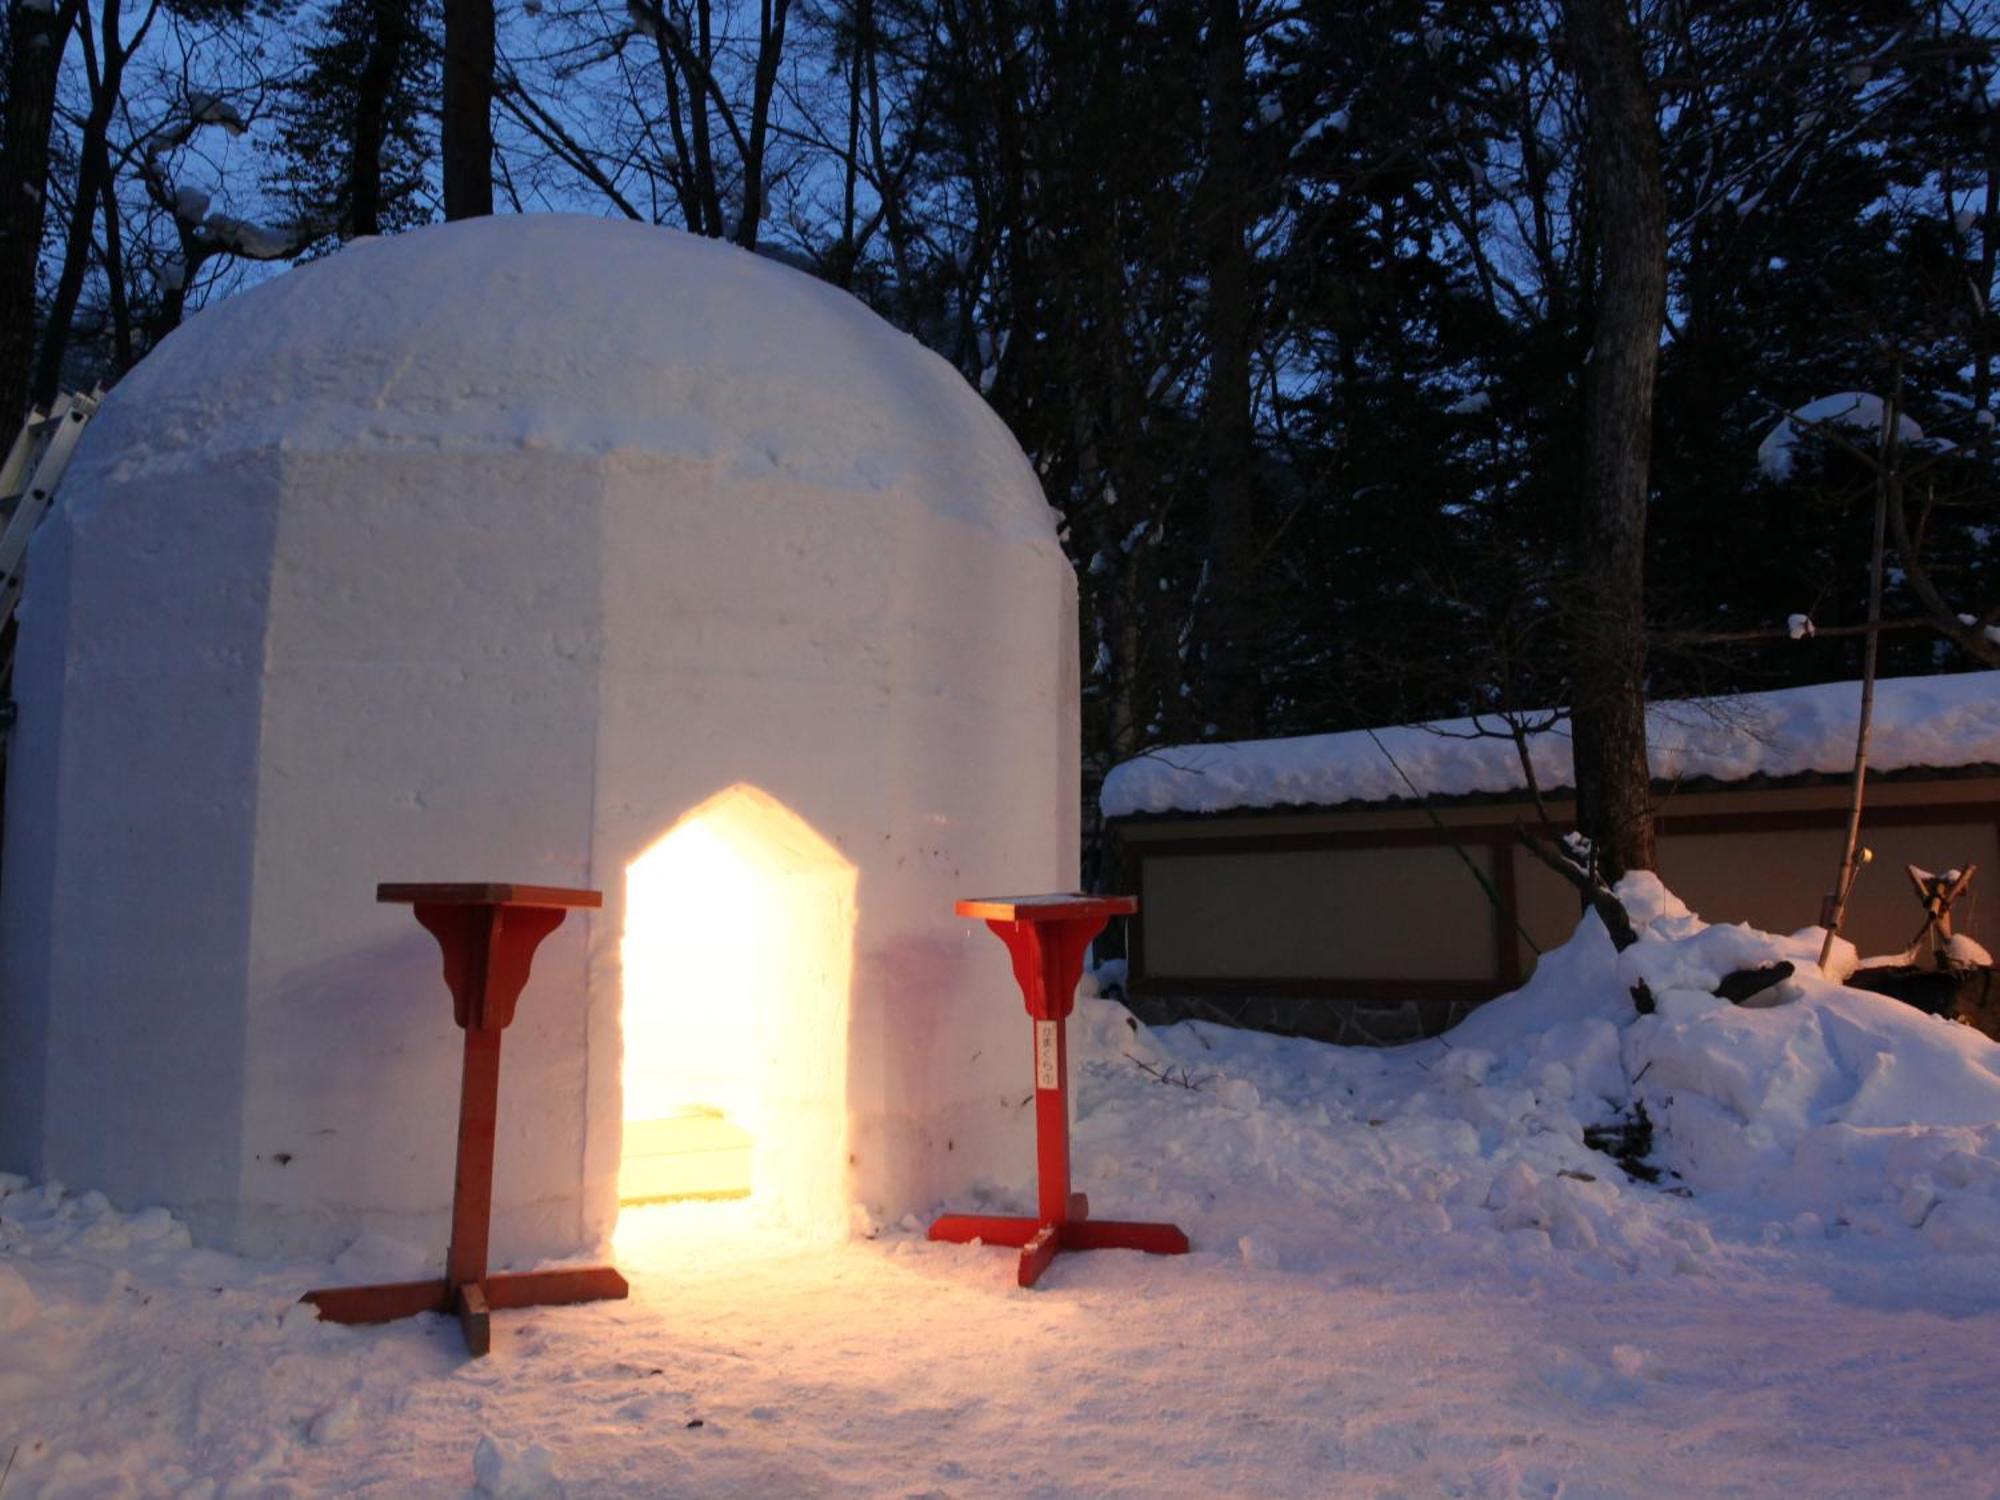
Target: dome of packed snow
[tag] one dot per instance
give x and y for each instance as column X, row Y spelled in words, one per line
column 510, row 550
column 557, row 334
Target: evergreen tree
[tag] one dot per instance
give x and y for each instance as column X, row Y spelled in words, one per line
column 358, row 135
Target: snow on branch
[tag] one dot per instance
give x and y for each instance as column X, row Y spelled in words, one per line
column 213, row 109
column 1854, row 409
column 206, row 233
column 254, row 241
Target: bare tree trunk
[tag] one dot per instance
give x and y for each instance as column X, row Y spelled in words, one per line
column 1851, row 858
column 114, row 263
column 388, row 38
column 172, row 306
column 770, row 48
column 860, row 19
column 37, row 41
column 680, row 170
column 69, row 283
column 93, row 161
column 468, row 108
column 1229, row 677
column 705, row 187
column 1614, row 793
column 1984, row 267
column 892, row 191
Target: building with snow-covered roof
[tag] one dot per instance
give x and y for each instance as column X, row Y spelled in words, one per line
column 1305, row 883
column 549, row 550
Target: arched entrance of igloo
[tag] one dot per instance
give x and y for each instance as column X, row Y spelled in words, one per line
column 738, row 957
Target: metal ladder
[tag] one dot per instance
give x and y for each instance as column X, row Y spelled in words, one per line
column 28, row 482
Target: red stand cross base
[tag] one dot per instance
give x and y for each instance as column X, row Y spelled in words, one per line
column 488, row 934
column 1047, row 936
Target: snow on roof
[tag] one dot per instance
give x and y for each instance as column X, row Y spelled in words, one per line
column 1919, row 721
column 572, row 335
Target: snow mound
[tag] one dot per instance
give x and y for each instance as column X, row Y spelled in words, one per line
column 1418, row 1162
column 1816, row 1100
column 48, row 1214
column 1813, row 1112
column 1919, row 721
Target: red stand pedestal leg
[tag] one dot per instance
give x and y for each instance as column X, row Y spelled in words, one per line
column 1047, row 937
column 1038, row 1252
column 487, row 935
column 472, row 1184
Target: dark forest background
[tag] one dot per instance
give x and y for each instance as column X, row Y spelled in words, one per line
column 1290, row 303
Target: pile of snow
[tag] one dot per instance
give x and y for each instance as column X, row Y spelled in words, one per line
column 1919, row 721
column 1813, row 1110
column 49, row 1211
column 1816, row 1106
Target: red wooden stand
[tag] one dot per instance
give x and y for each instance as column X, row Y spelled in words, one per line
column 1047, row 937
column 489, row 934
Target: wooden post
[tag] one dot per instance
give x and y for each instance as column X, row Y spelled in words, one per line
column 472, row 1184
column 487, row 936
column 1047, row 937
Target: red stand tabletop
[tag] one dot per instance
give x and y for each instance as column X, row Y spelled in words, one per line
column 1064, row 906
column 489, row 894
column 487, row 934
column 1046, row 937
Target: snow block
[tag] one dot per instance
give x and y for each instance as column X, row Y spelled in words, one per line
column 493, row 552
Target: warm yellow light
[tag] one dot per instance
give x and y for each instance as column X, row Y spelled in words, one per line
column 738, row 953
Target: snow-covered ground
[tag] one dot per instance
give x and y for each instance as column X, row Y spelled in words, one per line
column 1411, row 1277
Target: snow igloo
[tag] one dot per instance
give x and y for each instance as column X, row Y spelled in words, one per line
column 550, row 550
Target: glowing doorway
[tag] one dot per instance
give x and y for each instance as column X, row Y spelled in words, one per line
column 738, row 953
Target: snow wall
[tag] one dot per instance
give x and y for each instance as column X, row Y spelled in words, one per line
column 490, row 552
